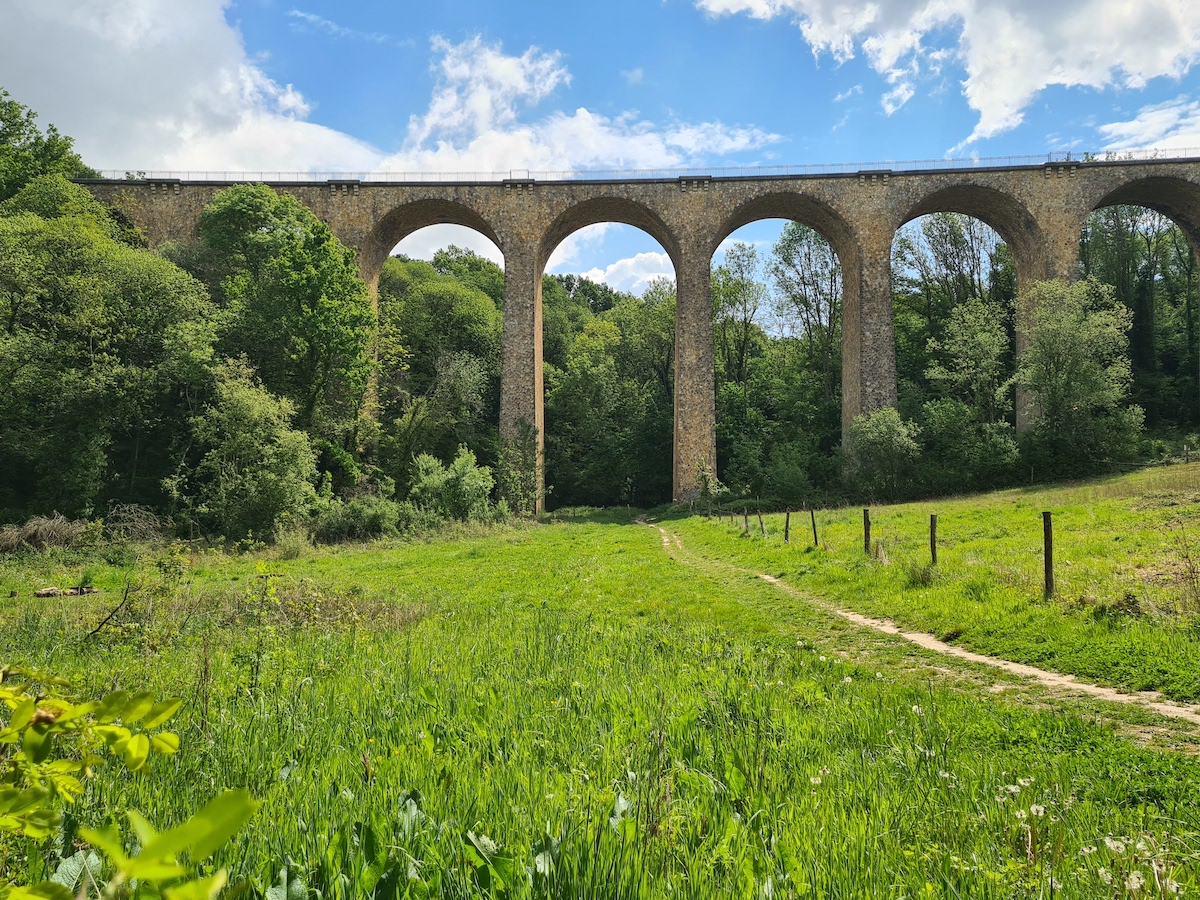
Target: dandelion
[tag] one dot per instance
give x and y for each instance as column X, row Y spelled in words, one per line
column 1024, row 782
column 1012, row 789
column 878, row 676
column 1021, row 814
column 1104, row 875
column 942, row 773
column 1000, row 798
column 1037, row 810
column 1172, row 887
column 822, row 658
column 1135, row 881
column 815, row 779
column 1114, row 846
column 1141, row 846
column 917, row 710
column 847, row 680
column 1087, row 851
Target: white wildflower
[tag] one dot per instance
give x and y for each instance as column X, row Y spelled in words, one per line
column 1113, row 845
column 1037, row 810
column 1104, row 875
column 1021, row 814
column 815, row 779
column 1135, row 881
column 917, row 709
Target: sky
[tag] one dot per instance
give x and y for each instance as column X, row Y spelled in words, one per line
column 498, row 85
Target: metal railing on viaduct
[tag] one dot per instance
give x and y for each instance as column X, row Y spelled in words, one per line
column 1038, row 205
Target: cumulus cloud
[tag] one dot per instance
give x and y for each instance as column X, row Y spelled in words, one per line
column 1010, row 51
column 168, row 84
column 634, row 274
column 1173, row 125
column 474, row 122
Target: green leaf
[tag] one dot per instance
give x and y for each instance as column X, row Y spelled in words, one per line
column 165, row 742
column 136, row 751
column 22, row 714
column 205, row 832
column 199, row 889
column 111, row 707
column 137, row 707
column 141, row 827
column 108, row 841
column 71, row 869
column 37, row 743
column 160, row 712
column 46, row 890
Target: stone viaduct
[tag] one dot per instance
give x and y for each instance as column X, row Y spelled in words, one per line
column 1037, row 209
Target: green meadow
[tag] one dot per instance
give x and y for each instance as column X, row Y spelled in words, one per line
column 573, row 709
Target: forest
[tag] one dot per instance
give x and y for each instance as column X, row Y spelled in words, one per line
column 246, row 385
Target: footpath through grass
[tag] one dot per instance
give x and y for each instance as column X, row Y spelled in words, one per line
column 565, row 711
column 1126, row 610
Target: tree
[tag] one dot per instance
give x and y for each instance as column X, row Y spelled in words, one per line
column 1077, row 370
column 296, row 306
column 104, row 354
column 881, row 454
column 808, row 299
column 26, row 153
column 471, row 269
column 738, row 296
column 968, row 360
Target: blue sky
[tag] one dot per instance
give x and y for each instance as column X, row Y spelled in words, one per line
column 463, row 85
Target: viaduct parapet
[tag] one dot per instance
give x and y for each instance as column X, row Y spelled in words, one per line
column 1038, row 210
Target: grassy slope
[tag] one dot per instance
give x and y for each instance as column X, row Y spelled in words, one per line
column 537, row 681
column 1127, row 607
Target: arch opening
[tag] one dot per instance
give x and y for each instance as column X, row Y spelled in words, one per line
column 608, row 356
column 440, row 300
column 783, row 266
column 954, row 296
column 1141, row 241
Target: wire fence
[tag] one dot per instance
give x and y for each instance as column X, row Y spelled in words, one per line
column 666, row 174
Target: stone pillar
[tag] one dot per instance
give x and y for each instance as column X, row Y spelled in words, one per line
column 695, row 391
column 868, row 332
column 522, row 401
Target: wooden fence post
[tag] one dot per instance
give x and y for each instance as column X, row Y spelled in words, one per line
column 867, row 532
column 761, row 526
column 813, row 513
column 933, row 538
column 787, row 526
column 746, row 520
column 1048, row 540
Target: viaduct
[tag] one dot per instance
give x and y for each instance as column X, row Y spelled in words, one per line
column 1038, row 209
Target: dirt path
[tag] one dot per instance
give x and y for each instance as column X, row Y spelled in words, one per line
column 1055, row 680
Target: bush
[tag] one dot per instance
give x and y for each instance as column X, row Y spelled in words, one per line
column 359, row 519
column 962, row 453
column 458, row 491
column 255, row 469
column 881, row 455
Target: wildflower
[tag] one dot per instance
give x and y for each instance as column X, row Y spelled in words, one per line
column 1135, row 881
column 1141, row 846
column 878, row 676
column 822, row 659
column 1113, row 845
column 1104, row 875
column 1172, row 887
column 1024, row 782
column 942, row 773
column 1012, row 789
column 815, row 779
column 1087, row 851
column 847, row 680
column 1021, row 814
column 1000, row 798
column 1038, row 811
column 917, row 709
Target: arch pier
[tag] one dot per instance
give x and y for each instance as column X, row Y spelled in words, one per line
column 1039, row 210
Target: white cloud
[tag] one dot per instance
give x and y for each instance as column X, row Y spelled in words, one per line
column 334, row 29
column 474, row 123
column 635, row 273
column 170, row 85
column 848, row 93
column 1010, row 51
column 633, row 76
column 1174, row 124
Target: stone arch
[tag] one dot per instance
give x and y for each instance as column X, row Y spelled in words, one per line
column 402, row 221
column 1176, row 198
column 606, row 209
column 1009, row 217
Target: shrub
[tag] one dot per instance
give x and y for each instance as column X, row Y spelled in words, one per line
column 359, row 519
column 458, row 491
column 881, row 454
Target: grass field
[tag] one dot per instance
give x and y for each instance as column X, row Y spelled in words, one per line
column 567, row 710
